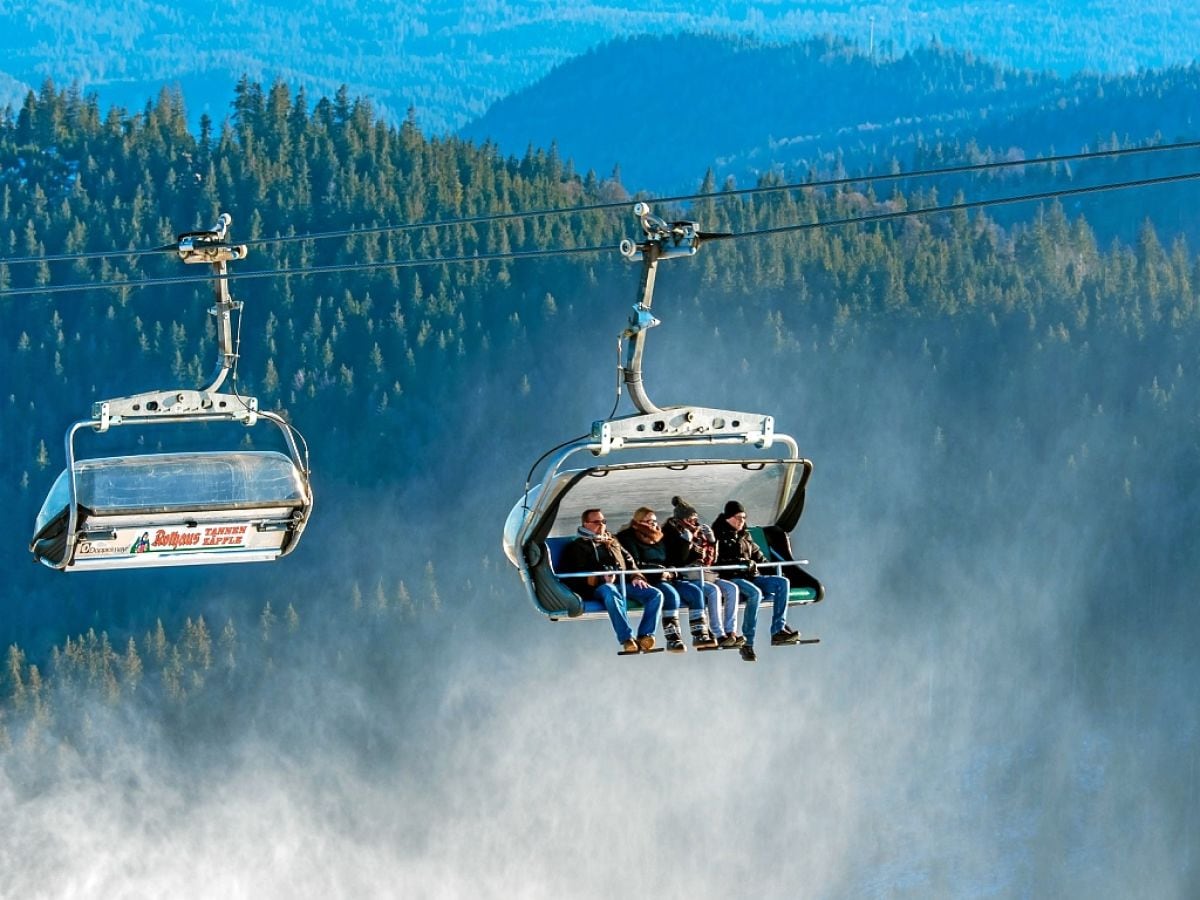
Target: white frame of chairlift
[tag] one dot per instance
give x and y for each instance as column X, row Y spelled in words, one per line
column 172, row 407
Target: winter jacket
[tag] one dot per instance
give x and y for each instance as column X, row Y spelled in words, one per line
column 685, row 549
column 583, row 555
column 736, row 547
column 650, row 558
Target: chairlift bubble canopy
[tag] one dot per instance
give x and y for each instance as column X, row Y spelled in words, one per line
column 173, row 509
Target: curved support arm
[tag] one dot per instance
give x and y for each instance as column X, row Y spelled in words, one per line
column 222, row 311
column 211, row 247
column 663, row 240
column 639, row 323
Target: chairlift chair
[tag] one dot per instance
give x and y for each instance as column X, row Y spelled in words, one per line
column 176, row 509
column 707, row 456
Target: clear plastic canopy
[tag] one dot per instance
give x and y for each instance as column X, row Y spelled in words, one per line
column 170, row 482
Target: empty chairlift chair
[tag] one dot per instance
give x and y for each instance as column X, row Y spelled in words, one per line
column 167, row 509
column 172, row 509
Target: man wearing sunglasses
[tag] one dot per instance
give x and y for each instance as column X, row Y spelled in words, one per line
column 596, row 550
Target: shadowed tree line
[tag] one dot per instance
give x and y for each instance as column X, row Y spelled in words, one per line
column 360, row 345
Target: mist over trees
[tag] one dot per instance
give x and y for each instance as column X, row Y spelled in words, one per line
column 1007, row 407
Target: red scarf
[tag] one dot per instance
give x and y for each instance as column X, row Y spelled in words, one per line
column 708, row 550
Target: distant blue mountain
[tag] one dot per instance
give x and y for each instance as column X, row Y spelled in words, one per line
column 451, row 61
column 665, row 109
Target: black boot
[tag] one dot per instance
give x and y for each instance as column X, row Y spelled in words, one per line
column 675, row 642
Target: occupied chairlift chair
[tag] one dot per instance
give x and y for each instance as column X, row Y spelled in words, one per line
column 174, row 509
column 763, row 468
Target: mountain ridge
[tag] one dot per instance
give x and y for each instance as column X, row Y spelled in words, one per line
column 819, row 107
column 450, row 61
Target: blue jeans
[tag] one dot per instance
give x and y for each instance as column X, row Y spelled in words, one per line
column 614, row 601
column 694, row 594
column 670, row 605
column 725, row 617
column 750, row 617
column 775, row 587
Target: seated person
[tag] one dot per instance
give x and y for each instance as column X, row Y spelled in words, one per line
column 595, row 550
column 735, row 546
column 644, row 540
column 690, row 544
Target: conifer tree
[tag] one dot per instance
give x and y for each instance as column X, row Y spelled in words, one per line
column 228, row 645
column 266, row 623
column 131, row 666
column 16, row 678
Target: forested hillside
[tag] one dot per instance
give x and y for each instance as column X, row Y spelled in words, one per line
column 371, row 363
column 1003, row 414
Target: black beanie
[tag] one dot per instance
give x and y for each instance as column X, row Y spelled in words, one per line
column 683, row 509
column 732, row 508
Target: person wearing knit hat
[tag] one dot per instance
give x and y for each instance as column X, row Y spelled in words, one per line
column 690, row 547
column 683, row 510
column 646, row 544
column 735, row 546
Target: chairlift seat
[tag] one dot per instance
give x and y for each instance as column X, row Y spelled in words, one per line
column 803, row 588
column 174, row 509
column 798, row 595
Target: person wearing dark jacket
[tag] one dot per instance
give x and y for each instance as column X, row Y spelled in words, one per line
column 644, row 541
column 596, row 550
column 689, row 545
column 735, row 546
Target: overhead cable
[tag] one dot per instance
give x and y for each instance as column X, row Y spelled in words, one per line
column 310, row 270
column 545, row 253
column 964, row 205
column 490, row 218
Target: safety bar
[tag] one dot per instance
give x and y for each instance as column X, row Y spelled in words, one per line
column 621, row 573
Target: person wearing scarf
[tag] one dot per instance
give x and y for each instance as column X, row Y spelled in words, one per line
column 643, row 540
column 596, row 550
column 689, row 544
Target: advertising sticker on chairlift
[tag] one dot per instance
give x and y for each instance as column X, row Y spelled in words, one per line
column 95, row 546
column 174, row 540
column 168, row 540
